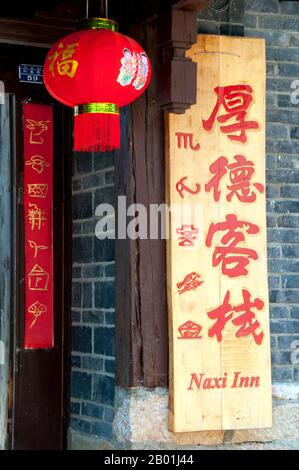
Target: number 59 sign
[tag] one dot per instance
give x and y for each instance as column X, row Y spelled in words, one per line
column 220, row 374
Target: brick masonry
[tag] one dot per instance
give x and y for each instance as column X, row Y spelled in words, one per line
column 92, row 376
column 92, row 402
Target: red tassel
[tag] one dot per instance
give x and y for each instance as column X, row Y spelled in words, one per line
column 96, row 132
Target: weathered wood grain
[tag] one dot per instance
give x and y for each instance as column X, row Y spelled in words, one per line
column 221, row 61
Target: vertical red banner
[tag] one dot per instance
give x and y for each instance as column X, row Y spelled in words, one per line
column 38, row 216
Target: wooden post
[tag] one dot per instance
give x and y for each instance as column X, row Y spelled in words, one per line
column 141, row 313
column 141, row 310
column 177, row 73
column 177, row 25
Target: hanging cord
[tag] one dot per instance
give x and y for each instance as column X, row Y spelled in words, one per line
column 87, row 8
column 222, row 8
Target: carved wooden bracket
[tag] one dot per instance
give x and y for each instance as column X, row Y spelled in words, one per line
column 176, row 73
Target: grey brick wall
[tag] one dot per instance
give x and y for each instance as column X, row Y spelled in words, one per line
column 92, row 374
column 278, row 23
column 222, row 17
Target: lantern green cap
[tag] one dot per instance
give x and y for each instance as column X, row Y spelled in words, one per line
column 97, row 23
column 98, row 108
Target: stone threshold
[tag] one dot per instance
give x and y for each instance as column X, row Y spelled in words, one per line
column 141, row 423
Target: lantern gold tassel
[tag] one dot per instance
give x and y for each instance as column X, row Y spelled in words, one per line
column 96, row 127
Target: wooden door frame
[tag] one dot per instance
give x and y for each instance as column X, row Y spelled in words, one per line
column 62, row 267
column 38, row 34
column 19, row 90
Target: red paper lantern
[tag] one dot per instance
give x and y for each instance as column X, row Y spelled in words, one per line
column 96, row 71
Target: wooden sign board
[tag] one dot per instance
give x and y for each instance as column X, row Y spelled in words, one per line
column 220, row 371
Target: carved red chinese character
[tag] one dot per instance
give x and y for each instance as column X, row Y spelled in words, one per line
column 181, row 186
column 240, row 174
column 189, row 330
column 188, row 234
column 185, row 140
column 233, row 258
column 246, row 321
column 235, row 100
column 191, row 282
column 218, row 168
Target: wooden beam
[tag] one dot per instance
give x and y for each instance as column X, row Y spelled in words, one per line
column 33, row 32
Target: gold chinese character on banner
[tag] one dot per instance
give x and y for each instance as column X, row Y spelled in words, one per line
column 62, row 61
column 36, row 247
column 36, row 129
column 37, row 190
column 36, row 216
column 37, row 163
column 36, row 309
column 38, row 278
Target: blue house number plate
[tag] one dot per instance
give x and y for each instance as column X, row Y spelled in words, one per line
column 31, row 73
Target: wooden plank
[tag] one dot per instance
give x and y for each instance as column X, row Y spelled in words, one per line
column 141, row 313
column 206, row 389
column 128, row 344
column 32, row 33
column 148, row 154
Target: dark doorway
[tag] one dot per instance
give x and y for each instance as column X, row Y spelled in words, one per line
column 38, row 382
